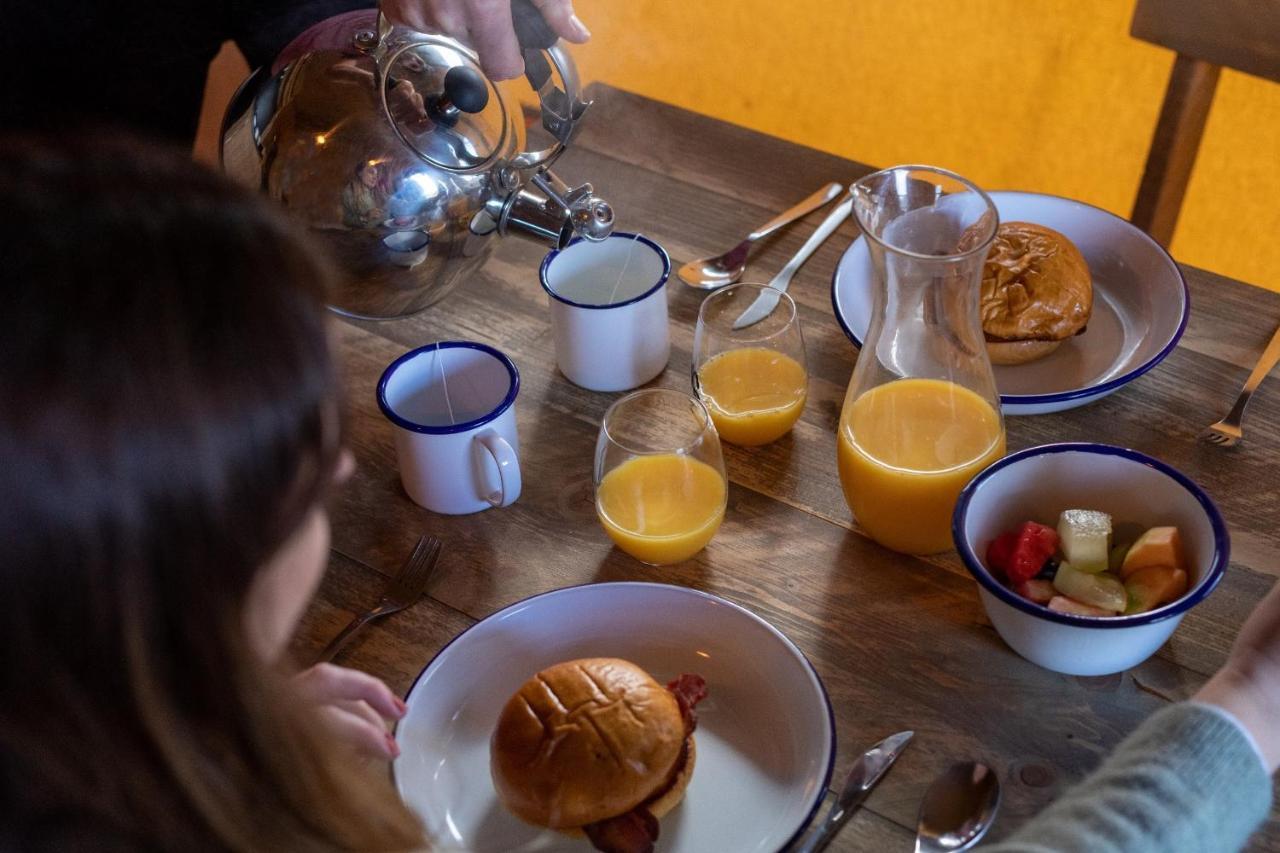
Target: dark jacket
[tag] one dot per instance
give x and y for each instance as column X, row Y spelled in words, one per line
column 71, row 63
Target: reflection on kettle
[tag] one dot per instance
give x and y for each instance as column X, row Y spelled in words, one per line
column 363, row 197
column 407, row 248
column 406, row 160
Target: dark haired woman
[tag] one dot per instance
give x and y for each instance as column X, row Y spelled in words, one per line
column 168, row 434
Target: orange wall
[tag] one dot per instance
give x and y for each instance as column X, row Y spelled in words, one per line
column 1045, row 95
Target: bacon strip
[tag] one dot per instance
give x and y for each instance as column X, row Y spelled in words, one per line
column 635, row 831
column 689, row 690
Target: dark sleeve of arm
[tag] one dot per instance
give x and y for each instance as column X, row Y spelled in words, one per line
column 262, row 29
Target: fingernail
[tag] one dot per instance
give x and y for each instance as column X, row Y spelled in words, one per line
column 393, row 748
column 401, row 708
column 583, row 32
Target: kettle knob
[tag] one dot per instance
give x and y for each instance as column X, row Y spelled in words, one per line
column 466, row 89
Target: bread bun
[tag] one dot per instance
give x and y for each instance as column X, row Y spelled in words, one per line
column 586, row 740
column 668, row 800
column 1036, row 292
column 1019, row 352
column 673, row 795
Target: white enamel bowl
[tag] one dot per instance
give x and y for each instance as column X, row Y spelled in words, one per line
column 1036, row 485
column 766, row 736
column 1140, row 306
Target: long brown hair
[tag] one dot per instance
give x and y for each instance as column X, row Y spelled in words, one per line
column 166, row 422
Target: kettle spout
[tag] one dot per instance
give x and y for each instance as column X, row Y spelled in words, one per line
column 550, row 212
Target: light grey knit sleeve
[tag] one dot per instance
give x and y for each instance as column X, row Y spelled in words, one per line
column 1189, row 779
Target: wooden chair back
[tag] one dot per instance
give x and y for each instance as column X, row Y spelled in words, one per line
column 1207, row 35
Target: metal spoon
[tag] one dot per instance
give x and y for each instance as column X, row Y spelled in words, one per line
column 958, row 808
column 710, row 273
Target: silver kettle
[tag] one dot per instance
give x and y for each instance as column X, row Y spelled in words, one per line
column 405, row 158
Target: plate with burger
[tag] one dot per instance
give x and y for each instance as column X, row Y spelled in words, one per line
column 1075, row 302
column 628, row 717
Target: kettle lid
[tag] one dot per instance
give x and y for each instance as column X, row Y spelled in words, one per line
column 443, row 106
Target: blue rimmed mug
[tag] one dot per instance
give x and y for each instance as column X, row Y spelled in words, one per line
column 452, row 406
column 609, row 310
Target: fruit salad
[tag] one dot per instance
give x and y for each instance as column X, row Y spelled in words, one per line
column 1082, row 567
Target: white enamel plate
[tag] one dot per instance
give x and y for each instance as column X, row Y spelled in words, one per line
column 766, row 737
column 1140, row 306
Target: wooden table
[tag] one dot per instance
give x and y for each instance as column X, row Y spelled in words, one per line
column 899, row 642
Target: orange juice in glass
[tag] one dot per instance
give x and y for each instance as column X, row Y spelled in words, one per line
column 922, row 415
column 661, row 489
column 753, row 380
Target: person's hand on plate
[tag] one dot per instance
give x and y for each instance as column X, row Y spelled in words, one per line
column 1248, row 685
column 486, row 25
column 354, row 706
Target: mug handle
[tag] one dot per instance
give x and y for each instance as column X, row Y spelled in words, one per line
column 504, row 456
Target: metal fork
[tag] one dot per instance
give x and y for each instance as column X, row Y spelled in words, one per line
column 1227, row 431
column 405, row 589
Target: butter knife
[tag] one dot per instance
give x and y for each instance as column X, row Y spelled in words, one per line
column 768, row 299
column 865, row 773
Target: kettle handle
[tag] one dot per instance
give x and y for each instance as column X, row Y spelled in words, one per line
column 562, row 110
column 532, row 30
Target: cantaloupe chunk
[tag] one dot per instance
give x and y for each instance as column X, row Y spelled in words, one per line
column 1154, row 586
column 1159, row 546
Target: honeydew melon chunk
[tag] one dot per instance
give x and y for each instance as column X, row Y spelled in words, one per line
column 1159, row 546
column 1154, row 586
column 1101, row 590
column 1086, row 539
column 1116, row 558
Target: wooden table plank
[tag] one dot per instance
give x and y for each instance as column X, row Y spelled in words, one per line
column 898, row 641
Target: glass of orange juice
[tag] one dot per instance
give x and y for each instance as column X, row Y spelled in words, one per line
column 922, row 414
column 661, row 489
column 753, row 380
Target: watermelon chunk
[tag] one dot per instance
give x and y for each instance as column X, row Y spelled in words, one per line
column 1035, row 544
column 999, row 552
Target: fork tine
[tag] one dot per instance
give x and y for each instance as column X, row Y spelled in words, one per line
column 1221, row 439
column 412, row 579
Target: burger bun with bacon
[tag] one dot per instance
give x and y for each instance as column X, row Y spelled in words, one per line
column 596, row 746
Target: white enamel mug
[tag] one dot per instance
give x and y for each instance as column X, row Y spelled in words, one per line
column 452, row 406
column 609, row 310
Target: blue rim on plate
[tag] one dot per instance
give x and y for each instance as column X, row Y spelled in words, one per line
column 826, row 699
column 1217, row 568
column 551, row 256
column 401, row 421
column 1075, row 394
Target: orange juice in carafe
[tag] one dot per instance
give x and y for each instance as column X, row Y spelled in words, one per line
column 922, row 415
column 905, row 450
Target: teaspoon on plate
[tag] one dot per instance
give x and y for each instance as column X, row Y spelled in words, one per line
column 710, row 273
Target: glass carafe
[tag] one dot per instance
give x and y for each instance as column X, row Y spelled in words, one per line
column 922, row 414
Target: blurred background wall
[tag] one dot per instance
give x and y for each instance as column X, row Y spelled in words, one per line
column 1045, row 95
